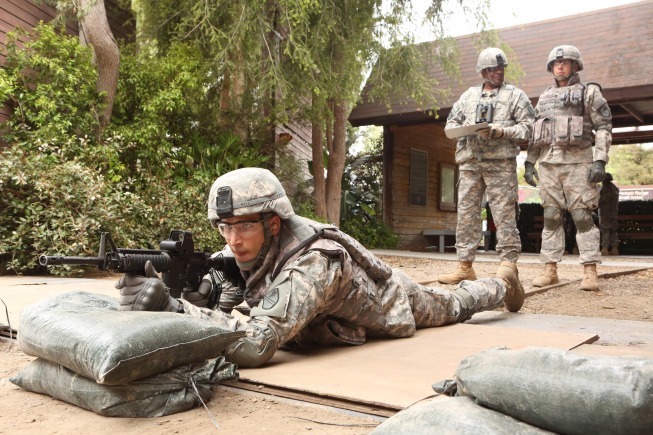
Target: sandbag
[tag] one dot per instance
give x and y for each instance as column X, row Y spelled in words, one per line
column 163, row 394
column 562, row 391
column 86, row 333
column 452, row 415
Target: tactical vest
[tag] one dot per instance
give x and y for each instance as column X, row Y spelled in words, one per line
column 307, row 232
column 563, row 120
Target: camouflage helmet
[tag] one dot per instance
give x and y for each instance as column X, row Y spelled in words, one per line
column 247, row 191
column 564, row 52
column 490, row 58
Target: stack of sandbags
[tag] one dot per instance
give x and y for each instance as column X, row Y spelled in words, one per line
column 537, row 389
column 121, row 363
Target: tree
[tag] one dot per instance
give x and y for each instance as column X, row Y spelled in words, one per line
column 94, row 31
column 631, row 164
column 304, row 61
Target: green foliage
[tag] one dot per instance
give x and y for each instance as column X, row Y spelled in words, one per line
column 60, row 207
column 362, row 186
column 377, row 236
column 51, row 84
column 62, row 185
column 631, row 164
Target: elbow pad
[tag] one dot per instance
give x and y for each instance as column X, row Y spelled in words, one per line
column 255, row 349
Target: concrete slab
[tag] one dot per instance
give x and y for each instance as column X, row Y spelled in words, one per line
column 624, row 333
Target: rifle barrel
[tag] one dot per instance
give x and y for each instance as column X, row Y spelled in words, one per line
column 56, row 260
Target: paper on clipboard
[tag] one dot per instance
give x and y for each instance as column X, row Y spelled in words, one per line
column 467, row 130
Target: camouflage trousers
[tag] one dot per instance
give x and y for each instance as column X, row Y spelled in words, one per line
column 433, row 306
column 566, row 187
column 501, row 190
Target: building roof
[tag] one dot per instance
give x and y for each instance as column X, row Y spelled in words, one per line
column 616, row 46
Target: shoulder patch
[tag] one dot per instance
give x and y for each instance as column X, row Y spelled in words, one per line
column 270, row 299
column 275, row 301
column 605, row 111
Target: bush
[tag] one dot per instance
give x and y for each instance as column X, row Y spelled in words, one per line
column 57, row 207
column 64, row 181
column 371, row 235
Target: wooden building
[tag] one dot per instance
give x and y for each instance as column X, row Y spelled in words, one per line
column 419, row 169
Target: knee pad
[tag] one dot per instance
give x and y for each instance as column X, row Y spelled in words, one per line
column 552, row 218
column 583, row 219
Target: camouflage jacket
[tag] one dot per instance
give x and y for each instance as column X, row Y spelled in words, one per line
column 512, row 111
column 324, row 289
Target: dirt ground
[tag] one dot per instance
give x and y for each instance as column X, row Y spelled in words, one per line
column 625, row 297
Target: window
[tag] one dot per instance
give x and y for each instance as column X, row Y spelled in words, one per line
column 448, row 192
column 418, row 177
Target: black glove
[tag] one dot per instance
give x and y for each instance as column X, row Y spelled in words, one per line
column 530, row 174
column 199, row 297
column 145, row 293
column 597, row 172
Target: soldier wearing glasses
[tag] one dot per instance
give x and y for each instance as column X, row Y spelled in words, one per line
column 488, row 164
column 572, row 135
column 307, row 282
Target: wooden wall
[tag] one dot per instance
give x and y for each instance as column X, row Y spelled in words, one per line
column 299, row 147
column 408, row 221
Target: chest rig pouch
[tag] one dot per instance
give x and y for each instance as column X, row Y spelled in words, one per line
column 562, row 119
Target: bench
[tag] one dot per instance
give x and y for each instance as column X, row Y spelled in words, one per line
column 536, row 234
column 635, row 227
column 442, row 233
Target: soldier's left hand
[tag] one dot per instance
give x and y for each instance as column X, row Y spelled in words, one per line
column 496, row 131
column 597, row 172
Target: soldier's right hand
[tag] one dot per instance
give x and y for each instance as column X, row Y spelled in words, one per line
column 142, row 293
column 484, row 134
column 530, row 174
column 199, row 297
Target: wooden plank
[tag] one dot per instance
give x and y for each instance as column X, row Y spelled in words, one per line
column 396, row 372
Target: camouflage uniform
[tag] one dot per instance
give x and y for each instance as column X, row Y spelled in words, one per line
column 325, row 295
column 608, row 210
column 309, row 282
column 489, row 166
column 562, row 143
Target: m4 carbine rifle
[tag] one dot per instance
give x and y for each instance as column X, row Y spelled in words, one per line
column 182, row 269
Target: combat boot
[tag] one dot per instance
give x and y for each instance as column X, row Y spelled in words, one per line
column 614, row 251
column 589, row 283
column 463, row 272
column 548, row 277
column 514, row 298
column 604, row 250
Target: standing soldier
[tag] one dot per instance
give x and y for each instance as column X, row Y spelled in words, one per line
column 488, row 163
column 571, row 117
column 608, row 210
